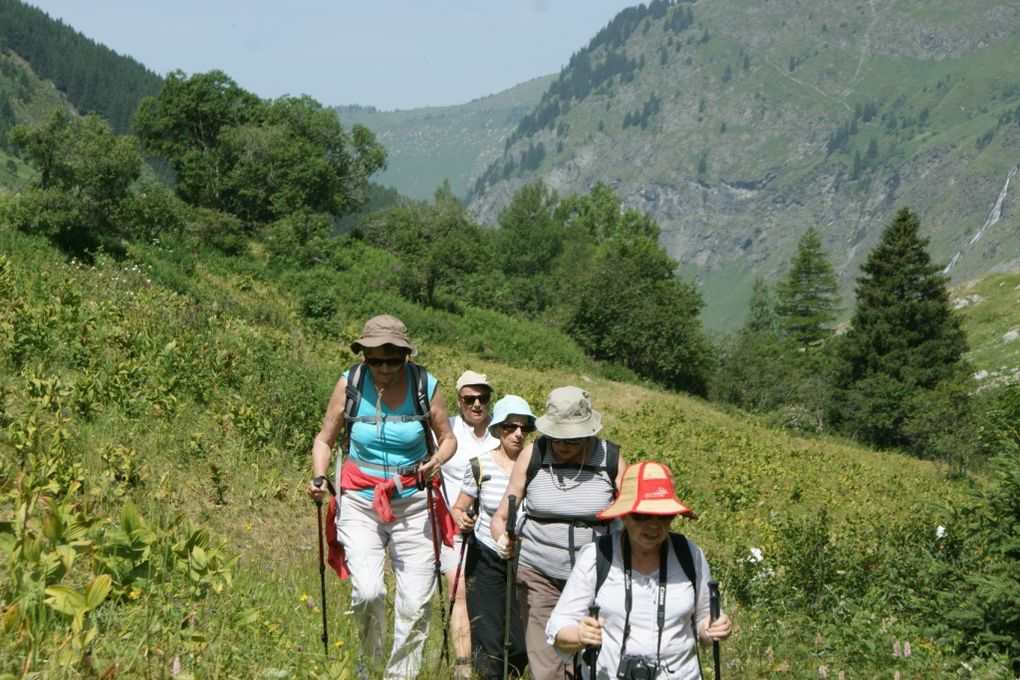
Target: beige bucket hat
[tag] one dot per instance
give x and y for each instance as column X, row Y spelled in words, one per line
column 569, row 415
column 383, row 330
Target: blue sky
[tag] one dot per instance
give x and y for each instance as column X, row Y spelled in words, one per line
column 385, row 53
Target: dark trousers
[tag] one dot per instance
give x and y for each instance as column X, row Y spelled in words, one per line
column 485, row 578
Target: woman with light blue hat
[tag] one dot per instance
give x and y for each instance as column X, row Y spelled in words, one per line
column 486, row 572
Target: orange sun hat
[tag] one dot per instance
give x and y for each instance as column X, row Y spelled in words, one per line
column 647, row 488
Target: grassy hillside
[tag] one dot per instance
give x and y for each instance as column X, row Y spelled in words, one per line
column 989, row 311
column 738, row 125
column 428, row 145
column 188, row 385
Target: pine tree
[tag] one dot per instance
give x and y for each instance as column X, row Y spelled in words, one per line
column 905, row 340
column 807, row 300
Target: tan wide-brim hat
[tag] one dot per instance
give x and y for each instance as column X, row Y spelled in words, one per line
column 383, row 330
column 647, row 488
column 569, row 415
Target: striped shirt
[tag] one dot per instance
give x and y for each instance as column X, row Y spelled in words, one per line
column 562, row 504
column 492, row 494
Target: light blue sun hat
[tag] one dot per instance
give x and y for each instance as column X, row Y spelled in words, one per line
column 510, row 405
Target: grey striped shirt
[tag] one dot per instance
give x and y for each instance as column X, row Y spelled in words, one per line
column 562, row 504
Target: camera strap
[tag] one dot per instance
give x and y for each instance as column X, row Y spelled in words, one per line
column 628, row 596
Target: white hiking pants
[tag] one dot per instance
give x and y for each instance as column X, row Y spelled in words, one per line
column 408, row 539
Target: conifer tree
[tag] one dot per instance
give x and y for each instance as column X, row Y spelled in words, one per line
column 806, row 301
column 905, row 340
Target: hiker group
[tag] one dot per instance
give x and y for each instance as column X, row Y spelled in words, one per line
column 558, row 556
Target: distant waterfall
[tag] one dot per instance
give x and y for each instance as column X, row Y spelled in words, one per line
column 993, row 217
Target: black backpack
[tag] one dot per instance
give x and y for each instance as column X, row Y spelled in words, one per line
column 604, row 559
column 612, row 466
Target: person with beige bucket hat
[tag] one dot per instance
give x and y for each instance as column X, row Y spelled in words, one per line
column 565, row 478
column 394, row 416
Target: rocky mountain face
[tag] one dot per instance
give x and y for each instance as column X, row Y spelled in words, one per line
column 740, row 123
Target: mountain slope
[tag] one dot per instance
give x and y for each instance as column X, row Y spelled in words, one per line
column 430, row 144
column 739, row 124
column 92, row 76
column 24, row 98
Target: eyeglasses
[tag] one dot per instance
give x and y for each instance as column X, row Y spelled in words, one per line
column 573, row 441
column 389, row 361
column 513, row 427
column 469, row 399
column 642, row 517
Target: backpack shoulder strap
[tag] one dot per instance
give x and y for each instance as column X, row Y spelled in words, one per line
column 355, row 380
column 603, row 560
column 683, row 554
column 612, row 462
column 420, row 379
column 535, row 464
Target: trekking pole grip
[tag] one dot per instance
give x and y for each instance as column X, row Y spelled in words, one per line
column 317, row 481
column 511, row 517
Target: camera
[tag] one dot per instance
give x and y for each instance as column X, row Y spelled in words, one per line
column 636, row 668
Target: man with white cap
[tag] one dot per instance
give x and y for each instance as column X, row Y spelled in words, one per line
column 471, row 429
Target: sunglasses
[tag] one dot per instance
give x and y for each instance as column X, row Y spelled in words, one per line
column 642, row 517
column 389, row 361
column 513, row 427
column 469, row 399
column 572, row 441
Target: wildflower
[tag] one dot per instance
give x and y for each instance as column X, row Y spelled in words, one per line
column 896, row 675
column 304, row 598
column 756, row 556
column 906, row 649
column 249, row 528
column 134, row 594
column 896, row 649
column 823, row 671
column 175, row 667
column 841, row 676
column 940, row 532
column 338, row 644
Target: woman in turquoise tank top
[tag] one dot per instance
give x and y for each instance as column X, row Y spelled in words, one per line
column 381, row 509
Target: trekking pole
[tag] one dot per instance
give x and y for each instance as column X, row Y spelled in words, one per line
column 591, row 652
column 511, row 527
column 471, row 512
column 322, row 566
column 460, row 564
column 437, row 564
column 713, row 607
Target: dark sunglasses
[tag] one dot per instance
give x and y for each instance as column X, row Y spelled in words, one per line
column 469, row 399
column 642, row 517
column 573, row 441
column 391, row 361
column 513, row 427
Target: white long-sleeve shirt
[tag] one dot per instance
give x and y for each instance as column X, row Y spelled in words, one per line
column 678, row 657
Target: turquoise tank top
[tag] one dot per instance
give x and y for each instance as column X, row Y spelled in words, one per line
column 389, row 444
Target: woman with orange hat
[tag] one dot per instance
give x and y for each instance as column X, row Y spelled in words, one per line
column 650, row 587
